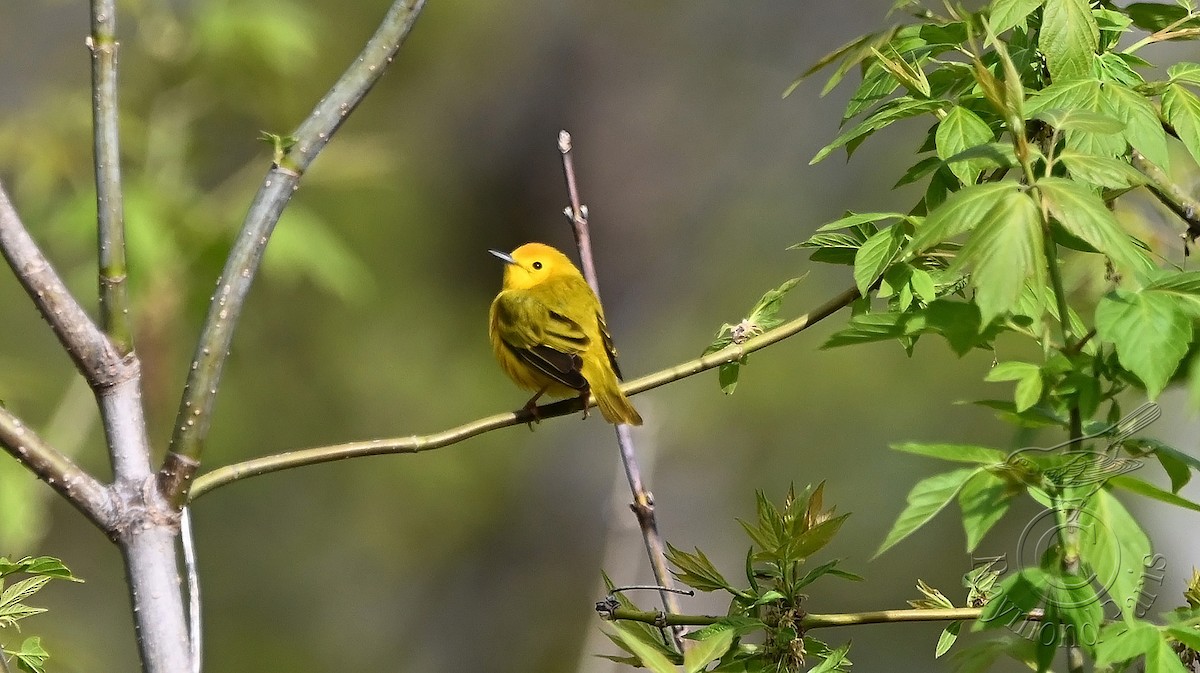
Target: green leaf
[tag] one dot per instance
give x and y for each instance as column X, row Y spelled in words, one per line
column 891, row 111
column 877, row 83
column 875, row 255
column 1116, row 67
column 1151, row 333
column 928, row 497
column 1084, row 214
column 866, row 328
column 1085, row 95
column 984, row 499
column 960, row 130
column 727, row 376
column 651, row 654
column 1143, row 129
column 1016, row 596
column 851, row 219
column 31, row 657
column 1115, row 547
column 1154, row 16
column 1004, row 249
column 702, row 650
column 1185, row 71
column 1005, row 14
column 833, row 661
column 1029, row 382
column 1101, row 171
column 1069, row 38
column 961, row 212
column 1163, row 659
column 696, row 571
column 961, row 453
column 1134, row 485
column 1182, row 110
column 21, row 590
column 946, row 640
column 1077, row 119
column 1122, row 641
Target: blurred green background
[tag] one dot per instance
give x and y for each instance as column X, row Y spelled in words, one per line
column 369, row 321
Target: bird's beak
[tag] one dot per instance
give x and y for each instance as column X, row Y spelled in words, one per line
column 507, row 258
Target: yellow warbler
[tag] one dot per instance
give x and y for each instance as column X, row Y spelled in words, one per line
column 547, row 330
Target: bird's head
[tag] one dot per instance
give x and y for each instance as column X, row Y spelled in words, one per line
column 533, row 263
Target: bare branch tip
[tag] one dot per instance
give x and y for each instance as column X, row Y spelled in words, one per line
column 564, row 142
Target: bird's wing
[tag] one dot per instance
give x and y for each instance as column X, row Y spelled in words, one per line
column 609, row 348
column 542, row 338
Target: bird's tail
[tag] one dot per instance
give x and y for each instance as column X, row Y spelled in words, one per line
column 614, row 406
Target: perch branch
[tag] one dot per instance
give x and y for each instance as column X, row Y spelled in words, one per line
column 1172, row 195
column 227, row 474
column 819, row 621
column 61, row 473
column 110, row 219
column 643, row 502
column 94, row 355
column 200, row 391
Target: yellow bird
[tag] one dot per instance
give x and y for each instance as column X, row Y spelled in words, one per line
column 547, row 330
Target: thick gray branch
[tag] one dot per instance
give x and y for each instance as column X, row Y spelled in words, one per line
column 195, row 409
column 95, row 356
column 58, row 471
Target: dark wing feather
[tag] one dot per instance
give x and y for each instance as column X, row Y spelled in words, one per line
column 609, row 348
column 566, row 368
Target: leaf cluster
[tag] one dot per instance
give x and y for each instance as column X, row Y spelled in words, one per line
column 769, row 606
column 30, row 656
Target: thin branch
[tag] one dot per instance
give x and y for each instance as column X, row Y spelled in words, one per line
column 114, row 295
column 94, row 355
column 819, row 621
column 1172, row 195
column 643, row 502
column 227, row 474
column 199, row 394
column 58, row 471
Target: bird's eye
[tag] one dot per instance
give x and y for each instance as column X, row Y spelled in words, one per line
column 537, row 265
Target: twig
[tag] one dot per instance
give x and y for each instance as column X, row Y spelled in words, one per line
column 94, row 355
column 114, row 296
column 1170, row 194
column 227, row 474
column 643, row 501
column 58, row 471
column 200, row 391
column 820, row 621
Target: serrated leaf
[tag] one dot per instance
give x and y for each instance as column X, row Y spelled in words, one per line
column 960, row 130
column 928, row 497
column 960, row 453
column 1150, row 331
column 1143, row 130
column 888, row 113
column 1084, row 214
column 695, row 570
column 1005, row 14
column 1076, row 119
column 1182, row 110
column 1154, row 16
column 1185, row 71
column 1069, row 38
column 1101, row 171
column 960, row 212
column 1115, row 547
column 875, row 255
column 1003, row 250
column 21, row 590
